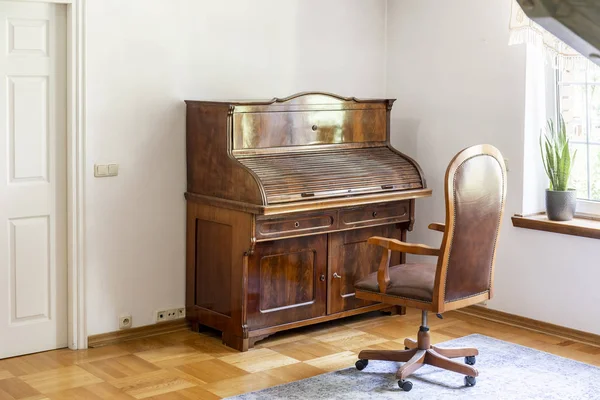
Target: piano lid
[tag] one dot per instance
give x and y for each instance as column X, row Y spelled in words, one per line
column 290, row 177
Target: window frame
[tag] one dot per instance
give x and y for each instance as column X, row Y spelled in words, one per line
column 584, row 206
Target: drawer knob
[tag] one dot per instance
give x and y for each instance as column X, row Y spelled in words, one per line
column 296, row 224
column 314, row 127
column 322, row 278
column 374, row 214
column 337, row 276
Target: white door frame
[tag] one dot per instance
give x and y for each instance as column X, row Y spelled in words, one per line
column 76, row 125
column 77, row 322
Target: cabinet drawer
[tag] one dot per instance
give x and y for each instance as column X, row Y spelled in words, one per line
column 294, row 225
column 375, row 214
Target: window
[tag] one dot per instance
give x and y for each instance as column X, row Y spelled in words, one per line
column 578, row 100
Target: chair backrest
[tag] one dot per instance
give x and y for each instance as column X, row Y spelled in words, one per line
column 475, row 188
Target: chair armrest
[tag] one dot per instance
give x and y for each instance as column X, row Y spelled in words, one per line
column 383, row 273
column 435, row 226
column 397, row 245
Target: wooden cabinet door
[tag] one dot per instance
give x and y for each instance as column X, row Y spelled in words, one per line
column 350, row 259
column 287, row 281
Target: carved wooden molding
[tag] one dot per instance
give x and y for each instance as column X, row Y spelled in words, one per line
column 333, row 95
column 290, row 99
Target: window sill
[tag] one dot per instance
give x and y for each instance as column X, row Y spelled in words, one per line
column 582, row 225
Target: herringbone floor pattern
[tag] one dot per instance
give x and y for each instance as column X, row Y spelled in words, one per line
column 187, row 365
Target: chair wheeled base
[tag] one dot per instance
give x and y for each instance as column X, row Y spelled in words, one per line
column 421, row 352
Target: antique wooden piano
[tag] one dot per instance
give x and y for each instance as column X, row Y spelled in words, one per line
column 281, row 198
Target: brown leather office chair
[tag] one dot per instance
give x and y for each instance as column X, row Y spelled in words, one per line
column 475, row 189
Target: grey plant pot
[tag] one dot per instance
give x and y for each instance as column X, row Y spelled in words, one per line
column 560, row 205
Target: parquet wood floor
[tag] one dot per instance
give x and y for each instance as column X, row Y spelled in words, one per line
column 187, row 365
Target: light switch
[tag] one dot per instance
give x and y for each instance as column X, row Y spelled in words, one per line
column 113, row 169
column 100, row 170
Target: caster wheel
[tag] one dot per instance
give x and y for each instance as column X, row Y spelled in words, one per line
column 361, row 364
column 470, row 381
column 470, row 360
column 405, row 385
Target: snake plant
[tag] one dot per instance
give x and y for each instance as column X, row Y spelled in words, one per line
column 556, row 154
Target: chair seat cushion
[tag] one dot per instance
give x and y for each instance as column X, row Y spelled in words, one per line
column 410, row 281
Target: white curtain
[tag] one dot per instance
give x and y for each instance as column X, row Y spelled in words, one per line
column 557, row 53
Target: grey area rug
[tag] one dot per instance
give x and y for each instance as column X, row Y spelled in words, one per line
column 506, row 371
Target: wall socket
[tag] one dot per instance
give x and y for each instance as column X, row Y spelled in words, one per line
column 170, row 314
column 125, row 322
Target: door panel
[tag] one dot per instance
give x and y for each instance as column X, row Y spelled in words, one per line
column 350, row 259
column 29, row 297
column 284, row 281
column 33, row 236
column 28, row 128
column 276, row 274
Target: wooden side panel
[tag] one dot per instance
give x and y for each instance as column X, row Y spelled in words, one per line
column 284, row 281
column 351, row 258
column 211, row 171
column 282, row 129
column 217, row 240
column 213, row 266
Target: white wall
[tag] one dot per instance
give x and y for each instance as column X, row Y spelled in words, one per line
column 448, row 63
column 144, row 57
column 458, row 83
column 539, row 104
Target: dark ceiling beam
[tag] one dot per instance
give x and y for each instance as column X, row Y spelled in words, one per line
column 575, row 22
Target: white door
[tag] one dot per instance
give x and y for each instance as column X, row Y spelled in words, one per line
column 33, row 204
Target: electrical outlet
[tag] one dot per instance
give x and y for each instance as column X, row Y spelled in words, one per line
column 170, row 314
column 125, row 322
